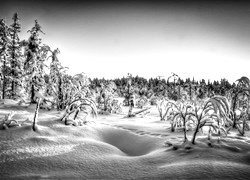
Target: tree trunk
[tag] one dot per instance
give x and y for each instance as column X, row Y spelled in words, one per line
column 234, row 107
column 12, row 89
column 60, row 95
column 105, row 104
column 130, row 110
column 196, row 131
column 130, row 101
column 76, row 113
column 34, row 126
column 13, row 73
column 4, row 71
column 209, row 133
column 184, row 129
column 243, row 126
column 32, row 94
column 172, row 127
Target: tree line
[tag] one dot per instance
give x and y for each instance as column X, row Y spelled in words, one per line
column 173, row 89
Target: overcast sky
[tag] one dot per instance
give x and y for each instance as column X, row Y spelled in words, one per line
column 201, row 39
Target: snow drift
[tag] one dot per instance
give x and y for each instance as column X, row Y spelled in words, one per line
column 113, row 147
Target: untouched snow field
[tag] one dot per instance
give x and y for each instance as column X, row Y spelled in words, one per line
column 114, row 147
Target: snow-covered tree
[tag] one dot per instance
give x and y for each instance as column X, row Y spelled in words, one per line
column 16, row 58
column 80, row 85
column 4, row 54
column 77, row 97
column 34, row 65
column 129, row 94
column 181, row 115
column 72, row 87
column 242, row 89
column 57, row 72
column 212, row 113
column 106, row 95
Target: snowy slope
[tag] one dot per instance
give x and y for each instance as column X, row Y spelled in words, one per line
column 114, row 147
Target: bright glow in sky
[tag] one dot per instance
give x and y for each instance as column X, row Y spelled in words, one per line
column 209, row 40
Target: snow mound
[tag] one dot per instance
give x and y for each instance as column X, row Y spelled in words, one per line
column 129, row 143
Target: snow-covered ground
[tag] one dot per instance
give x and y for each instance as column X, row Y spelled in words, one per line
column 114, row 147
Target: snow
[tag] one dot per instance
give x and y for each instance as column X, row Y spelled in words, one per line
column 114, row 147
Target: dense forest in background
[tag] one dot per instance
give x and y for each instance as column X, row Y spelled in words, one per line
column 175, row 88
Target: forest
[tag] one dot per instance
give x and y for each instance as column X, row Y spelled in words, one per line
column 31, row 73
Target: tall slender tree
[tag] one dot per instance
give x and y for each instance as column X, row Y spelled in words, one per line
column 57, row 72
column 4, row 54
column 34, row 65
column 16, row 57
column 130, row 95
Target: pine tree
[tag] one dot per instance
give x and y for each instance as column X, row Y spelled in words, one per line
column 34, row 65
column 107, row 95
column 57, row 71
column 4, row 54
column 16, row 56
column 130, row 95
column 80, row 85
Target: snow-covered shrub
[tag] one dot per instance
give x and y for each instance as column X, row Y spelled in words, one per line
column 241, row 124
column 141, row 102
column 8, row 121
column 105, row 96
column 116, row 106
column 163, row 108
column 181, row 115
column 76, row 106
column 213, row 113
column 153, row 100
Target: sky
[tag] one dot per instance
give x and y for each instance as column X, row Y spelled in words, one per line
column 200, row 39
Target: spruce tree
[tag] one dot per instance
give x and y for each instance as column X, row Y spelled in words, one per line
column 57, row 71
column 4, row 54
column 34, row 66
column 16, row 57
